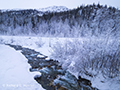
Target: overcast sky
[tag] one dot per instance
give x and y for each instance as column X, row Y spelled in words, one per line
column 36, row 4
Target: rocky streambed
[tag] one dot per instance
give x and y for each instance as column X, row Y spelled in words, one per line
column 53, row 77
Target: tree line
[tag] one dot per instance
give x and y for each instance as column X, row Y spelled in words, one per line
column 92, row 20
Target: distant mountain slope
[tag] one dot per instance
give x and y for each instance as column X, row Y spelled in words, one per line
column 54, row 9
column 39, row 11
column 89, row 20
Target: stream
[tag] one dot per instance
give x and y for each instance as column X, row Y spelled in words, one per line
column 53, row 77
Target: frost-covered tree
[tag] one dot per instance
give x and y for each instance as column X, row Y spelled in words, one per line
column 96, row 19
column 90, row 57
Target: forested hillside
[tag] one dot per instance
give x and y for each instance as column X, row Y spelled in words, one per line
column 90, row 20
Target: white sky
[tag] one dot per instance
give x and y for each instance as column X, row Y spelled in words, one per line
column 36, row 4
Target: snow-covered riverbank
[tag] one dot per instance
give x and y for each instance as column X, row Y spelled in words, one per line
column 14, row 71
column 43, row 45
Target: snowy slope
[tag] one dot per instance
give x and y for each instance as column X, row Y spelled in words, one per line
column 47, row 9
column 54, row 9
column 14, row 71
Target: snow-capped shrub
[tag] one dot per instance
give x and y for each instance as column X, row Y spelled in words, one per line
column 63, row 51
column 89, row 56
column 12, row 40
column 1, row 41
column 40, row 42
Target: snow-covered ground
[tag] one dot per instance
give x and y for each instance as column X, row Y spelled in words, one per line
column 14, row 71
column 43, row 45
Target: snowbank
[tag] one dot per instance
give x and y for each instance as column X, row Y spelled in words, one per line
column 14, row 71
